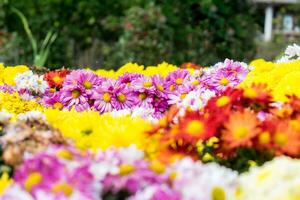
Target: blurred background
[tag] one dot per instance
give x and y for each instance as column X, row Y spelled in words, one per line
column 109, row 33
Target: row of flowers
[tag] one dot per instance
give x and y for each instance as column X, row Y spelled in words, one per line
column 230, row 131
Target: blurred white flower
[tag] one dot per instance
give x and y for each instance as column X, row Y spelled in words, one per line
column 195, row 180
column 31, row 82
column 276, row 179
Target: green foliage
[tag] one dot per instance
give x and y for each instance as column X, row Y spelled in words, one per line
column 40, row 55
column 115, row 31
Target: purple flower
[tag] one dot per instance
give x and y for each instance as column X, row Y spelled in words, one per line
column 52, row 99
column 127, row 78
column 145, row 99
column 224, row 75
column 87, row 81
column 176, row 79
column 62, row 172
column 74, row 97
column 124, row 97
column 104, row 96
column 179, row 95
column 37, row 172
column 6, row 88
column 143, row 84
column 160, row 86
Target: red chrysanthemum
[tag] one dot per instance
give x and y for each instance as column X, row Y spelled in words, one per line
column 190, row 65
column 56, row 78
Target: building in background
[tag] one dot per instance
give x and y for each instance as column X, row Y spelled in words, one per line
column 279, row 20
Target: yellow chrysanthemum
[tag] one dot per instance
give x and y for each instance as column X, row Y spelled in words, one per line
column 5, row 181
column 281, row 78
column 15, row 105
column 8, row 74
column 162, row 69
column 89, row 130
column 130, row 68
column 106, row 73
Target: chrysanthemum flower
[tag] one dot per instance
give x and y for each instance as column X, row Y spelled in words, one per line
column 224, row 75
column 104, row 96
column 125, row 97
column 87, row 81
column 53, row 99
column 56, row 78
column 74, row 97
column 286, row 139
column 127, row 78
column 194, row 127
column 176, row 79
column 143, row 84
column 241, row 128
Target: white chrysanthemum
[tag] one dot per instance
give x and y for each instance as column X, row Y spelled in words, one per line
column 120, row 113
column 31, row 82
column 278, row 179
column 31, row 115
column 291, row 53
column 130, row 154
column 15, row 191
column 195, row 180
column 5, row 116
column 145, row 113
column 196, row 99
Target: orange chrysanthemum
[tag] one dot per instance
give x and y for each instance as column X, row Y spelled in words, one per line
column 56, row 78
column 286, row 138
column 240, row 129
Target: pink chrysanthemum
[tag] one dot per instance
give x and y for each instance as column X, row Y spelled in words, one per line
column 124, row 97
column 104, row 96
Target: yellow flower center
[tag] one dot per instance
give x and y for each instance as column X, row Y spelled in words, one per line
column 160, row 87
column 171, row 88
column 87, row 84
column 240, row 132
column 64, row 188
column 280, row 139
column 106, row 97
column 295, row 124
column 224, row 81
column 75, row 94
column 56, row 79
column 218, row 194
column 32, row 180
column 196, row 82
column 250, row 93
column 264, row 137
column 142, row 96
column 64, row 154
column 126, row 169
column 222, row 101
column 173, row 176
column 194, row 127
column 121, row 97
column 147, row 84
column 52, row 90
column 179, row 81
column 57, row 105
column 183, row 95
column 157, row 167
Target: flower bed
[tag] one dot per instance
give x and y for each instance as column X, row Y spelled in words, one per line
column 230, row 131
